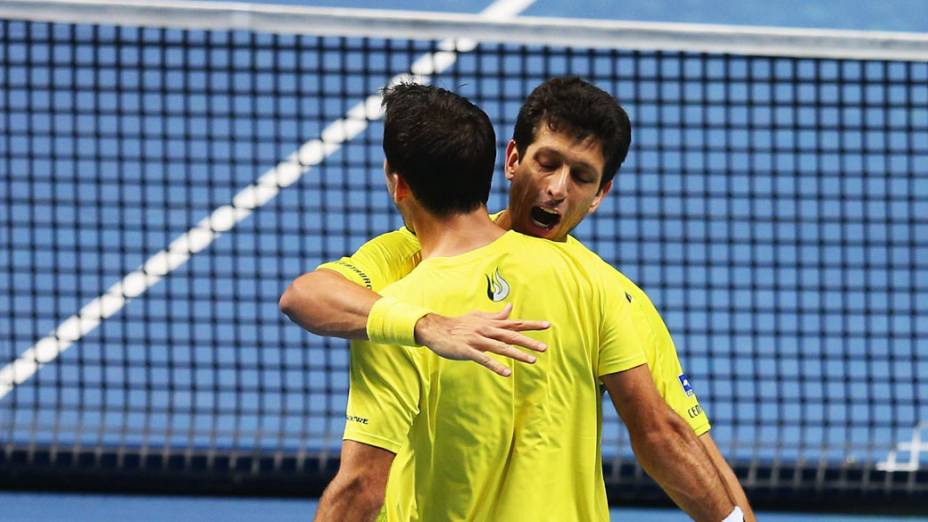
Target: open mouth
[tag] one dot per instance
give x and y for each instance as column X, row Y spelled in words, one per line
column 545, row 218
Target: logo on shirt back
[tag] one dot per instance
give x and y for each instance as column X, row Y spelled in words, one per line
column 687, row 387
column 497, row 287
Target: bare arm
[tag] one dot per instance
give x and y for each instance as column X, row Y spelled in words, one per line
column 729, row 479
column 357, row 491
column 666, row 447
column 325, row 303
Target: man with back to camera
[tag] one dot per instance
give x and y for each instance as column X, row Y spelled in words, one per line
column 569, row 140
column 471, row 446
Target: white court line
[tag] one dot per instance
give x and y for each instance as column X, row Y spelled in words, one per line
column 224, row 218
column 914, row 448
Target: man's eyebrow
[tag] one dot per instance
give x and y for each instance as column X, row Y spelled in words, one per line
column 581, row 164
column 550, row 151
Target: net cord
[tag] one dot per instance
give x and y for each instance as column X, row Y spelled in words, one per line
column 484, row 27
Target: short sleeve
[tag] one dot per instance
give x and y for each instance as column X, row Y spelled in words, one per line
column 383, row 260
column 672, row 382
column 620, row 346
column 383, row 395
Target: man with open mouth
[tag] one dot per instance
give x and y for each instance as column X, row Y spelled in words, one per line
column 567, row 146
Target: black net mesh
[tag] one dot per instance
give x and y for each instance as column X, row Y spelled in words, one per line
column 773, row 208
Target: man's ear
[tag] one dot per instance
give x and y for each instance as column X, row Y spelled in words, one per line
column 388, row 181
column 396, row 185
column 512, row 159
column 599, row 197
column 401, row 189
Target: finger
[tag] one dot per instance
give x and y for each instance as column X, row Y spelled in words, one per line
column 509, row 337
column 490, row 345
column 521, row 325
column 490, row 363
column 504, row 313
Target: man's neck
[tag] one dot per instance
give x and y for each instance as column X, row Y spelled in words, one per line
column 456, row 234
column 504, row 220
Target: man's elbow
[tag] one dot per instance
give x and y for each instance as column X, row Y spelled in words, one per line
column 364, row 493
column 298, row 301
column 369, row 497
column 665, row 428
column 288, row 299
column 301, row 292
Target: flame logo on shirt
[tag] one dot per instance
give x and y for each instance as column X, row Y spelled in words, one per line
column 497, row 287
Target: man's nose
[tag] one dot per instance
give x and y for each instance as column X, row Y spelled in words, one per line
column 558, row 183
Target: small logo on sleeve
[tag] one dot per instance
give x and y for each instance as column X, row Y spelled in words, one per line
column 687, row 387
column 364, row 277
column 497, row 287
column 355, row 418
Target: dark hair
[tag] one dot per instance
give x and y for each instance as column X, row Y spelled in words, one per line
column 443, row 145
column 569, row 105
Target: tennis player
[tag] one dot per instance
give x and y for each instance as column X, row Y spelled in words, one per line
column 466, row 444
column 569, row 140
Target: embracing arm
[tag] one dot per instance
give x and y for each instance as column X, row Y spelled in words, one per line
column 325, row 303
column 666, row 447
column 335, row 300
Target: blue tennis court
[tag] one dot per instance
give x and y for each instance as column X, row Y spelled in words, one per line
column 49, row 507
column 805, row 333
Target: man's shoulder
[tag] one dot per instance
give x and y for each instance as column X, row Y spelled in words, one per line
column 607, row 270
column 593, row 259
column 380, row 260
column 400, row 239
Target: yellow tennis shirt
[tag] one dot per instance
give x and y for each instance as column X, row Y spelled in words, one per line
column 390, row 256
column 472, row 445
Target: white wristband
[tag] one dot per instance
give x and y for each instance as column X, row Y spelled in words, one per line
column 735, row 516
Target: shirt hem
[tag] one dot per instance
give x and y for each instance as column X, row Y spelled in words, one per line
column 374, row 440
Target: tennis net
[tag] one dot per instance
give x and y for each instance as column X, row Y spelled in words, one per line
column 166, row 169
